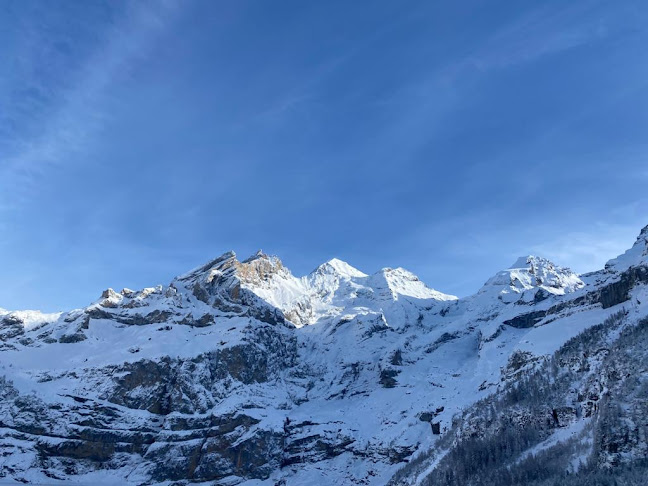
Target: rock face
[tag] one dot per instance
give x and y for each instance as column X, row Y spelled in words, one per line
column 238, row 372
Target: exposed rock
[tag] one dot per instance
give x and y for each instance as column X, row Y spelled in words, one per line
column 388, row 377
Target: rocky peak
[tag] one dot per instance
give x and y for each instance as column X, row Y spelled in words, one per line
column 253, row 270
column 259, row 255
column 544, row 273
column 531, row 273
column 207, row 272
column 259, row 268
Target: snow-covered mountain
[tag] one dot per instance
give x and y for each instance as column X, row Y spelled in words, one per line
column 239, row 372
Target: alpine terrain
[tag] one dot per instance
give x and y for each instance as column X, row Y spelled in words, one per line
column 240, row 373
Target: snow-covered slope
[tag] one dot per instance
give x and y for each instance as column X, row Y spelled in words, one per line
column 240, row 372
column 637, row 255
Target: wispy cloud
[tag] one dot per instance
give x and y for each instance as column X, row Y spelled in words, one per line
column 537, row 34
column 423, row 105
column 77, row 112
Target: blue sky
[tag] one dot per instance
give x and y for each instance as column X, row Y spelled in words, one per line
column 139, row 139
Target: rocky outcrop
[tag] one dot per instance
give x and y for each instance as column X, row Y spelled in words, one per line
column 215, row 448
column 607, row 295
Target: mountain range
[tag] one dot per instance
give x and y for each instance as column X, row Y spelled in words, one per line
column 240, row 373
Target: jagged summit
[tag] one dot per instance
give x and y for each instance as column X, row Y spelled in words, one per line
column 227, row 269
column 225, row 260
column 544, row 273
column 259, row 255
column 339, row 267
column 531, row 273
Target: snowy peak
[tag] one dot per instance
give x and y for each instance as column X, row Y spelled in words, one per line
column 397, row 282
column 207, row 272
column 260, row 282
column 637, row 255
column 530, row 273
column 331, row 279
column 27, row 319
column 534, row 271
column 266, row 277
column 339, row 268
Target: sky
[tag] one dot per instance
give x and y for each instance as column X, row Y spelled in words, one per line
column 141, row 139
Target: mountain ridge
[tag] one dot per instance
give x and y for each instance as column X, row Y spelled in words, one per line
column 239, row 372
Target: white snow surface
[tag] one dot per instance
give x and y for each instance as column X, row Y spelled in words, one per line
column 30, row 319
column 637, row 255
